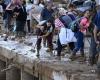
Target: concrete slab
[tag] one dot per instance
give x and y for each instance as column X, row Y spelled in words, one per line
column 26, row 76
column 47, row 67
column 2, row 74
column 13, row 74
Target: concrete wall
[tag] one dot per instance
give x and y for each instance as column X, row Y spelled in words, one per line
column 2, row 74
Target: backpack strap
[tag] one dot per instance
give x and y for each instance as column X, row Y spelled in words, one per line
column 60, row 18
column 71, row 16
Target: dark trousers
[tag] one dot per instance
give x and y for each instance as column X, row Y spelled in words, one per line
column 7, row 22
column 93, row 47
column 49, row 42
column 38, row 43
column 20, row 25
column 59, row 48
column 71, row 45
column 28, row 25
column 20, row 28
column 93, row 52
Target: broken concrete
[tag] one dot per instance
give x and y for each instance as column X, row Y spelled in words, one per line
column 46, row 67
column 26, row 76
column 13, row 74
column 2, row 74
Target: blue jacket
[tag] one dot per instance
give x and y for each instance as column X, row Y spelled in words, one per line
column 97, row 20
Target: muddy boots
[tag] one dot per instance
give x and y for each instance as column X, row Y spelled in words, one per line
column 93, row 59
column 38, row 55
column 38, row 43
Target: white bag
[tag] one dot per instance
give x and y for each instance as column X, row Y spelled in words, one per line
column 66, row 36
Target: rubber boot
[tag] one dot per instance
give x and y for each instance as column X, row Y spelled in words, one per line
column 38, row 55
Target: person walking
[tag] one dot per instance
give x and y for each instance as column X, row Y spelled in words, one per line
column 21, row 16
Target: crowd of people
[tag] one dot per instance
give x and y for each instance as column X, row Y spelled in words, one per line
column 69, row 25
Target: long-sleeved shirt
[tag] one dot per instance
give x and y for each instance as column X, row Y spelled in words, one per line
column 97, row 20
column 46, row 14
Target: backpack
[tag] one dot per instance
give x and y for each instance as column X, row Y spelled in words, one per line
column 71, row 16
column 74, row 25
column 64, row 23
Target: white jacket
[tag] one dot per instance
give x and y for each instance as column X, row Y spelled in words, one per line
column 66, row 36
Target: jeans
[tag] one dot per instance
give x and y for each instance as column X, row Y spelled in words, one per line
column 79, row 45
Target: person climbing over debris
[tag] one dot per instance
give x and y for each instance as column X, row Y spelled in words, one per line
column 79, row 45
column 49, row 35
column 39, row 32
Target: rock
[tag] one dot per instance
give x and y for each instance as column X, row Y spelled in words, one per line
column 21, row 41
column 4, row 35
column 12, row 38
column 28, row 43
column 33, row 50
